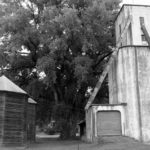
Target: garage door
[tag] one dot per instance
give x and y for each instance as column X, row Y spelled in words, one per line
column 108, row 123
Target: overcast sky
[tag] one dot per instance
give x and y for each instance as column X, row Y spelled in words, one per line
column 144, row 2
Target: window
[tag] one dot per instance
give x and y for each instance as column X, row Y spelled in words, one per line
column 141, row 21
column 120, row 29
column 142, row 35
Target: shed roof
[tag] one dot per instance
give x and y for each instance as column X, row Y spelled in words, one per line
column 31, row 101
column 8, row 85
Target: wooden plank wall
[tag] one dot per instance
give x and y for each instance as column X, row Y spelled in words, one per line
column 31, row 122
column 2, row 106
column 15, row 120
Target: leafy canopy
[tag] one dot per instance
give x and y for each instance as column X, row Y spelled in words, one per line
column 59, row 45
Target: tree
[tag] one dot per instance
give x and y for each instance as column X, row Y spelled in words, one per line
column 67, row 41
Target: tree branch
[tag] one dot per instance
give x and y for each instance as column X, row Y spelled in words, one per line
column 100, row 59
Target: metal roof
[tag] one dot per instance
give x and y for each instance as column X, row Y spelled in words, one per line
column 31, row 101
column 9, row 86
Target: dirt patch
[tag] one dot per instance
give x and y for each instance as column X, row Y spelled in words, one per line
column 121, row 143
column 104, row 143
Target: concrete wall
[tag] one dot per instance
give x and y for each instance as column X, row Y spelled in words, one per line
column 129, row 77
column 91, row 119
column 120, row 25
column 89, row 125
column 127, row 89
column 138, row 12
column 112, row 76
column 133, row 35
column 132, row 78
column 143, row 66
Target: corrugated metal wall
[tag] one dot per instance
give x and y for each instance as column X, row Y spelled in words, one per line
column 109, row 123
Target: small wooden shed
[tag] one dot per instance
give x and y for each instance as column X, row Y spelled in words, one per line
column 13, row 107
column 17, row 115
column 31, row 115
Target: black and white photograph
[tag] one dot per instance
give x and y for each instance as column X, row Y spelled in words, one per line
column 74, row 74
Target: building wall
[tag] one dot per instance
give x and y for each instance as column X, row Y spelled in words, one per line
column 14, row 131
column 120, row 25
column 2, row 107
column 132, row 79
column 143, row 66
column 133, row 35
column 129, row 78
column 91, row 119
column 132, row 71
column 128, row 89
column 89, row 125
column 113, row 97
column 31, row 122
column 136, row 27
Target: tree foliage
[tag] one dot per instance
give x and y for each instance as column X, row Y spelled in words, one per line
column 56, row 50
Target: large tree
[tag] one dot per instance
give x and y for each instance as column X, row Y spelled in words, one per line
column 58, row 47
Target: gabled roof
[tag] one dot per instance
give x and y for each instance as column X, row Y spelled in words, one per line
column 31, row 101
column 8, row 85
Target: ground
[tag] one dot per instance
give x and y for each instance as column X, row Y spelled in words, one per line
column 45, row 142
column 105, row 143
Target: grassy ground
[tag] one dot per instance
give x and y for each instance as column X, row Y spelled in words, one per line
column 107, row 143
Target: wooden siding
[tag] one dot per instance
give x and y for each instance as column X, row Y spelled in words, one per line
column 15, row 120
column 2, row 106
column 31, row 122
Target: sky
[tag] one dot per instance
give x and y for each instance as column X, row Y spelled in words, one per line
column 142, row 2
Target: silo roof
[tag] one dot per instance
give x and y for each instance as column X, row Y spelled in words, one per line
column 9, row 86
column 31, row 101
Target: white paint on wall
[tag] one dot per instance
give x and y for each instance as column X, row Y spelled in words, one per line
column 135, row 32
column 133, row 75
column 140, row 2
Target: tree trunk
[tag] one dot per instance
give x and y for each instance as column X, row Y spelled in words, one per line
column 55, row 95
column 68, row 131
